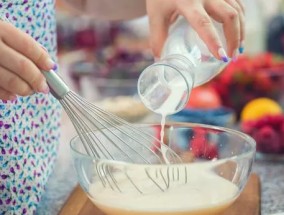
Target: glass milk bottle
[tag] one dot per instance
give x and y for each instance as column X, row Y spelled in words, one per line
column 164, row 87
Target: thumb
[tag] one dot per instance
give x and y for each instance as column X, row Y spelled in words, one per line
column 158, row 34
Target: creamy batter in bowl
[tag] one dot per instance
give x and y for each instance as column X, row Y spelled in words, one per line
column 217, row 163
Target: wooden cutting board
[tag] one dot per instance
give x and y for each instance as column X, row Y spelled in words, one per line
column 248, row 202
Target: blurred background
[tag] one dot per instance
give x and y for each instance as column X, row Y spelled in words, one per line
column 102, row 61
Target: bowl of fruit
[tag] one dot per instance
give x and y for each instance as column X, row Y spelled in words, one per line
column 263, row 119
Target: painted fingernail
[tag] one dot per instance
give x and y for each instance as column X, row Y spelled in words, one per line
column 44, row 88
column 223, row 55
column 49, row 64
column 12, row 98
column 241, row 48
column 54, row 67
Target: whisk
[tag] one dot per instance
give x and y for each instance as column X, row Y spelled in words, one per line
column 107, row 137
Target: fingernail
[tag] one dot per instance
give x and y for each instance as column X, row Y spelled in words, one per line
column 223, row 55
column 44, row 88
column 54, row 67
column 156, row 59
column 44, row 48
column 241, row 48
column 12, row 98
column 50, row 64
column 235, row 56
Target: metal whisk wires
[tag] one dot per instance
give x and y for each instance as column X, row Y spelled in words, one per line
column 108, row 137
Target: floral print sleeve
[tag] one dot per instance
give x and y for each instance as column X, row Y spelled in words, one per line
column 29, row 126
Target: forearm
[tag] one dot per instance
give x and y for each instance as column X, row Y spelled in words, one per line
column 111, row 9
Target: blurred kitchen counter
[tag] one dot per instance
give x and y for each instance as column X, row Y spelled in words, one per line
column 64, row 179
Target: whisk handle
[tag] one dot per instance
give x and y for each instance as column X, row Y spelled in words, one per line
column 57, row 86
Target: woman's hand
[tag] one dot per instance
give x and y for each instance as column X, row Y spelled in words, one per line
column 21, row 59
column 162, row 13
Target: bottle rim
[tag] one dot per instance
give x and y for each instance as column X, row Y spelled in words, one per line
column 174, row 68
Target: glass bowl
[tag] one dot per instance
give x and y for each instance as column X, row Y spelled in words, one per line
column 216, row 165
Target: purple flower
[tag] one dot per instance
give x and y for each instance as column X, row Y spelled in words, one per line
column 12, row 170
column 4, row 176
column 10, row 5
column 6, row 126
column 8, row 201
column 2, row 187
column 3, row 152
column 11, row 150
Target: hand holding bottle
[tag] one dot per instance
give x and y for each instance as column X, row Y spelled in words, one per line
column 199, row 14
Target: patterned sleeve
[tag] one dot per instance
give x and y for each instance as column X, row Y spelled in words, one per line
column 3, row 17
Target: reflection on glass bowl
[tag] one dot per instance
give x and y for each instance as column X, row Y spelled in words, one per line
column 216, row 165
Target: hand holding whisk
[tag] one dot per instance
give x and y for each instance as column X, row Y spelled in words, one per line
column 107, row 137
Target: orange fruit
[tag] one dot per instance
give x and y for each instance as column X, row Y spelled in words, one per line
column 260, row 107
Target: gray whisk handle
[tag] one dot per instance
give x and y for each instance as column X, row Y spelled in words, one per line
column 57, row 86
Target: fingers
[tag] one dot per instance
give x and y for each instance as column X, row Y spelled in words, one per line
column 242, row 24
column 18, row 69
column 229, row 16
column 239, row 9
column 241, row 5
column 202, row 24
column 6, row 95
column 158, row 35
column 19, row 86
column 27, row 46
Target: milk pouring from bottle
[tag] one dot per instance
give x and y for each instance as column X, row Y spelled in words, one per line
column 164, row 87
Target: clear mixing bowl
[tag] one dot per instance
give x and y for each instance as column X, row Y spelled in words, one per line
column 216, row 165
